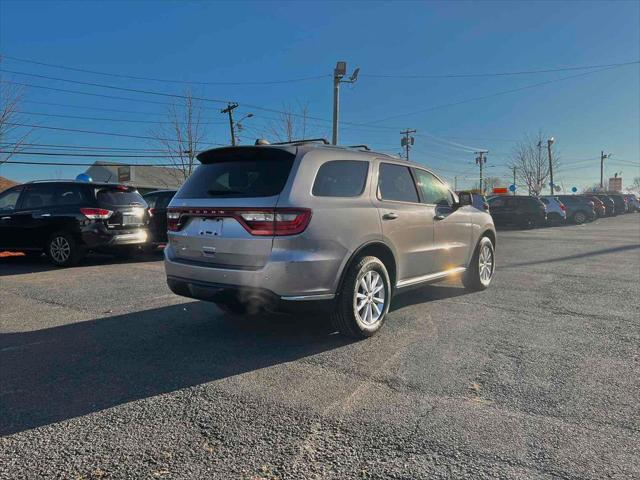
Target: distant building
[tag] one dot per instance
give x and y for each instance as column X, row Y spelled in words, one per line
column 6, row 183
column 145, row 179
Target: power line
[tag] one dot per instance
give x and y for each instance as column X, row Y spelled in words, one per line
column 81, row 147
column 113, row 134
column 497, row 74
column 67, row 154
column 102, row 119
column 104, row 164
column 183, row 82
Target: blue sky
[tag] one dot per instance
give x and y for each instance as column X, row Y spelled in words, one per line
column 262, row 41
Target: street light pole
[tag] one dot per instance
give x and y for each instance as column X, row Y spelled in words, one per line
column 229, row 110
column 338, row 74
column 549, row 143
column 603, row 157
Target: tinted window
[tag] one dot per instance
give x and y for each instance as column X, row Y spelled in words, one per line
column 497, row 202
column 395, row 183
column 37, row 196
column 9, row 200
column 163, row 200
column 432, row 190
column 70, row 195
column 120, row 197
column 240, row 173
column 341, row 178
column 151, row 200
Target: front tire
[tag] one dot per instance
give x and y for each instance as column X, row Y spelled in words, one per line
column 62, row 250
column 363, row 302
column 480, row 272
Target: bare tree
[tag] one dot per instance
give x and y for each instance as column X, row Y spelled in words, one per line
column 489, row 183
column 181, row 137
column 12, row 136
column 291, row 124
column 530, row 158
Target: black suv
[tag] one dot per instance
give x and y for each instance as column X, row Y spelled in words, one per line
column 158, row 202
column 579, row 209
column 520, row 210
column 65, row 219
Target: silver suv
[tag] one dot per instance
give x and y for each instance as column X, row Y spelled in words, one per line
column 307, row 224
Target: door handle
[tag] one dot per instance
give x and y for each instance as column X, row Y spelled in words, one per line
column 45, row 215
column 390, row 216
column 5, row 218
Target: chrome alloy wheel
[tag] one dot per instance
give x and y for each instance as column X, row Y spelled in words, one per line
column 60, row 249
column 485, row 264
column 369, row 299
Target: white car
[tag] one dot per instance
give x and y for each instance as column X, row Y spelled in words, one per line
column 556, row 211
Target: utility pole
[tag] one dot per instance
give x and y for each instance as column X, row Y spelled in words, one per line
column 407, row 141
column 603, row 157
column 481, row 159
column 551, row 185
column 229, row 110
column 514, row 179
column 338, row 73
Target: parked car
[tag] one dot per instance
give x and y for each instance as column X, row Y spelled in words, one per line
column 521, row 210
column 598, row 205
column 278, row 226
column 158, row 202
column 621, row 204
column 579, row 209
column 556, row 211
column 65, row 219
column 609, row 204
column 478, row 200
column 633, row 203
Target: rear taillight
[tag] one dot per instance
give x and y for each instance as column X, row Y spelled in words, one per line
column 152, row 212
column 260, row 222
column 173, row 221
column 96, row 213
column 562, row 207
column 275, row 222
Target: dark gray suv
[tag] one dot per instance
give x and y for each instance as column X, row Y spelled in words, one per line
column 278, row 226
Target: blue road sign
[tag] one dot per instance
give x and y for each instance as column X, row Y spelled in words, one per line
column 512, row 188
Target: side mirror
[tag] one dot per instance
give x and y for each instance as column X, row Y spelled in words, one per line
column 464, row 198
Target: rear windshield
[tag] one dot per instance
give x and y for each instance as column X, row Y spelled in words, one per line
column 117, row 197
column 240, row 173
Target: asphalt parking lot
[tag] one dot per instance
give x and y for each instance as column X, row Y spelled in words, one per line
column 106, row 374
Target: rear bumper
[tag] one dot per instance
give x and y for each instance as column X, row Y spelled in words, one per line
column 260, row 297
column 106, row 239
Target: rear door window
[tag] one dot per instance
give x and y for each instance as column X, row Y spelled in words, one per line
column 120, row 197
column 341, row 178
column 240, row 173
column 396, row 183
column 70, row 195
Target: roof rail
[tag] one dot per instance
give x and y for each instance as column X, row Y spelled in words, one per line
column 362, row 147
column 303, row 140
column 65, row 180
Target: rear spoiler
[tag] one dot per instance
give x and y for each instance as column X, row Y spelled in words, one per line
column 253, row 153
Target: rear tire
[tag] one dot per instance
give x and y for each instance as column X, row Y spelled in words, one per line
column 579, row 217
column 62, row 250
column 477, row 277
column 364, row 298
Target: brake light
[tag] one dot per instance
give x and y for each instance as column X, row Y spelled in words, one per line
column 259, row 222
column 96, row 213
column 173, row 221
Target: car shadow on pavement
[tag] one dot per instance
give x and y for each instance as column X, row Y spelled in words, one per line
column 425, row 294
column 59, row 373
column 20, row 265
